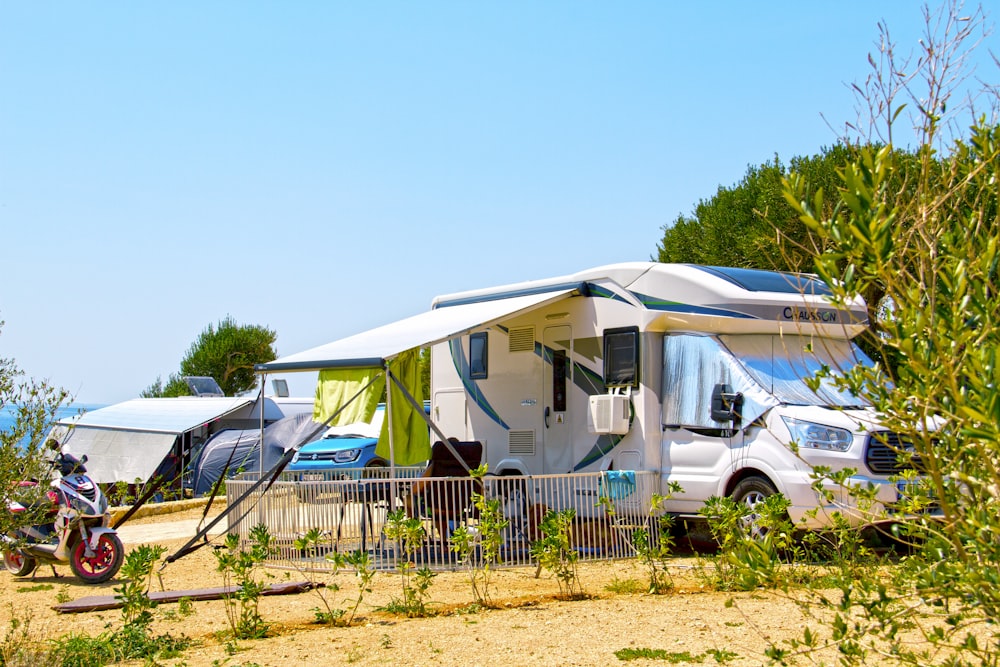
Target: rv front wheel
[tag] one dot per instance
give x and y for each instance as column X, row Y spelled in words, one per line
column 750, row 492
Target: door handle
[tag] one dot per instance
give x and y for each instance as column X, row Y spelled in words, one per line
column 546, row 416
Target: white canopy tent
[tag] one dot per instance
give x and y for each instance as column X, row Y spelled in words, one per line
column 127, row 441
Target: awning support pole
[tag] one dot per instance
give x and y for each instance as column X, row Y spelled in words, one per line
column 263, row 383
column 388, row 416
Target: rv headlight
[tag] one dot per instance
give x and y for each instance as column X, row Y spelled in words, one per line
column 808, row 435
column 347, row 455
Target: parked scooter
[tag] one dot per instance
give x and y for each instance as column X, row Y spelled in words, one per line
column 79, row 533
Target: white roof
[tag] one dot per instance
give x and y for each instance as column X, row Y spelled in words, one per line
column 363, row 429
column 372, row 348
column 159, row 415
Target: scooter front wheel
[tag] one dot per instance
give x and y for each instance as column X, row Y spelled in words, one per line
column 105, row 562
column 17, row 563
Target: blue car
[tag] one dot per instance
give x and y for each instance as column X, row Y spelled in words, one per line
column 343, row 451
column 316, row 460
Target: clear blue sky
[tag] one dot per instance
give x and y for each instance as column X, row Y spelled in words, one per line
column 325, row 167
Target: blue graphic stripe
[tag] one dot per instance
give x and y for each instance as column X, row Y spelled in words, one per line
column 603, row 446
column 584, row 378
column 605, row 293
column 471, row 387
column 654, row 303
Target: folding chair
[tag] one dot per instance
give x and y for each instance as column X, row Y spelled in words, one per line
column 448, row 502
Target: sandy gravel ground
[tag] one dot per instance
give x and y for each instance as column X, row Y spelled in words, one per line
column 529, row 626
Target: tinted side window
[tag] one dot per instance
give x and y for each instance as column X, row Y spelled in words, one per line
column 621, row 357
column 478, row 356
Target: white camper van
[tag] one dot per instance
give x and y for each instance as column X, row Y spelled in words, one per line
column 696, row 372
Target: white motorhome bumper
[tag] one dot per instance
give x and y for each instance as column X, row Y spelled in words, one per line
column 807, row 509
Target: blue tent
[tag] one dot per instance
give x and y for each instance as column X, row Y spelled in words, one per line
column 240, row 449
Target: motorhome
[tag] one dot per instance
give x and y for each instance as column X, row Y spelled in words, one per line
column 723, row 380
column 709, row 376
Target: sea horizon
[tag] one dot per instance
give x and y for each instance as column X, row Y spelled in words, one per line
column 7, row 414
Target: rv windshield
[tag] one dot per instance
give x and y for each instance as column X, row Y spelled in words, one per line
column 781, row 364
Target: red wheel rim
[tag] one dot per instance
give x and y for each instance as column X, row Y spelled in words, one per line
column 104, row 556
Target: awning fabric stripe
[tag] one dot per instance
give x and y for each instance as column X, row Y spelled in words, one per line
column 373, row 347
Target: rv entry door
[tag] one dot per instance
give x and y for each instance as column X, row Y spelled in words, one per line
column 557, row 370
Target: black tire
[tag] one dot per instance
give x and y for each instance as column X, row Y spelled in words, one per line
column 106, row 562
column 19, row 564
column 749, row 492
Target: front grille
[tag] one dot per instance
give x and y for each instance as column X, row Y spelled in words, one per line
column 889, row 453
column 323, row 456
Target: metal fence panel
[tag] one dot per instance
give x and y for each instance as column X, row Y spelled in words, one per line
column 351, row 512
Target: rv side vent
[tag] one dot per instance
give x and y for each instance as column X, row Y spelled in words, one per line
column 521, row 443
column 609, row 414
column 521, row 339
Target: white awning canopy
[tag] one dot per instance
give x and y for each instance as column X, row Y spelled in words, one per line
column 115, row 455
column 374, row 347
column 127, row 441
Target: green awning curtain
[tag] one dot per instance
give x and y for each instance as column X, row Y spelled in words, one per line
column 339, row 389
column 336, row 387
column 411, row 443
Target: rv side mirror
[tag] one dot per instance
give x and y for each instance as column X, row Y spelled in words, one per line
column 725, row 404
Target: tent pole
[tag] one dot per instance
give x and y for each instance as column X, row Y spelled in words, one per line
column 263, row 384
column 388, row 415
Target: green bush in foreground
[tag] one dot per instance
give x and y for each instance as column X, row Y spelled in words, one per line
column 479, row 549
column 555, row 551
column 134, row 639
column 934, row 256
column 239, row 565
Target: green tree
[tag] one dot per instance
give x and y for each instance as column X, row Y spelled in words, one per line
column 750, row 224
column 425, row 370
column 928, row 240
column 32, row 405
column 227, row 352
column 176, row 386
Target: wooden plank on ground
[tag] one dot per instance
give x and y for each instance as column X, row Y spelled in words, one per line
column 102, row 602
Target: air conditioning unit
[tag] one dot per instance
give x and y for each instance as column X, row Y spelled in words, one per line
column 609, row 414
